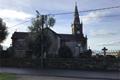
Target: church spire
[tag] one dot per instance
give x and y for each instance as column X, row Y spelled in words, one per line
column 76, row 14
column 77, row 26
column 77, row 30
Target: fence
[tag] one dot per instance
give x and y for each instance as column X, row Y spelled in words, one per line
column 16, row 62
column 109, row 52
column 94, row 63
column 87, row 64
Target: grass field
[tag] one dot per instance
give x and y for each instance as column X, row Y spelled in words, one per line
column 6, row 76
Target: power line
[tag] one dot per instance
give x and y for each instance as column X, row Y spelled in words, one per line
column 91, row 10
column 19, row 23
column 103, row 16
column 81, row 16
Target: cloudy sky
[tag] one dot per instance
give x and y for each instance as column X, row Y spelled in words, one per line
column 101, row 27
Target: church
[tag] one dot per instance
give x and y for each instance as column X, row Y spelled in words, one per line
column 76, row 41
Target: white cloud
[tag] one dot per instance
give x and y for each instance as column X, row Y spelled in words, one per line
column 11, row 18
column 93, row 17
column 11, row 30
column 115, row 43
column 14, row 14
column 102, row 33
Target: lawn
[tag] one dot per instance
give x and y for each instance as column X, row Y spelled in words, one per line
column 6, row 76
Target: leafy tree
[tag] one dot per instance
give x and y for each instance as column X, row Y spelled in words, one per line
column 86, row 54
column 118, row 54
column 39, row 38
column 65, row 52
column 39, row 21
column 1, row 50
column 35, row 45
column 3, row 31
column 1, row 47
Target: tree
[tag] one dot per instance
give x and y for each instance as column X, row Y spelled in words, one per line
column 39, row 39
column 3, row 31
column 1, row 50
column 40, row 21
column 35, row 45
column 118, row 54
column 86, row 54
column 65, row 52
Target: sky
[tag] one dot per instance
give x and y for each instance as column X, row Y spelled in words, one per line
column 102, row 31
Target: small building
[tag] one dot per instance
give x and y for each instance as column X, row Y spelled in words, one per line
column 19, row 43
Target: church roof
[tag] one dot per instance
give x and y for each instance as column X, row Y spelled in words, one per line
column 67, row 37
column 19, row 35
column 64, row 37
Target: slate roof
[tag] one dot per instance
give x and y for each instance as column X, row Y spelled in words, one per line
column 67, row 37
column 64, row 37
column 19, row 35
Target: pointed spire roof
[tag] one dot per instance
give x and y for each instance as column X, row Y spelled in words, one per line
column 76, row 14
column 76, row 9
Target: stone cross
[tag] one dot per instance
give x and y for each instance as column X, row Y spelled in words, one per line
column 104, row 50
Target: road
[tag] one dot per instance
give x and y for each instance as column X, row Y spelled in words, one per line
column 29, row 77
column 61, row 74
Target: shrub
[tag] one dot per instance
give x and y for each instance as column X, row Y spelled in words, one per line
column 65, row 52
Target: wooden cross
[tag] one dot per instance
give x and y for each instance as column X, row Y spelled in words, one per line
column 104, row 50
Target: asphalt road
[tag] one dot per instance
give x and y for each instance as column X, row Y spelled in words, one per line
column 64, row 74
column 29, row 77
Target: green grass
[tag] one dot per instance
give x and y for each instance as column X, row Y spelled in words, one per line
column 6, row 76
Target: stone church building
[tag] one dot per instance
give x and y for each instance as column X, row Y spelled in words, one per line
column 76, row 41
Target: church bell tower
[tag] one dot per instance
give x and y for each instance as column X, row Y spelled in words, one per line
column 77, row 26
column 77, row 31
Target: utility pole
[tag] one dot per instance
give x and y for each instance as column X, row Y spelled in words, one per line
column 44, row 21
column 42, row 53
column 41, row 27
